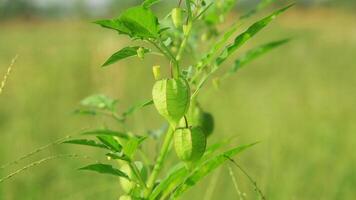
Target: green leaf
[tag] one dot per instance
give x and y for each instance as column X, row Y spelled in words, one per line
column 255, row 53
column 248, row 34
column 132, row 145
column 207, row 167
column 168, row 184
column 108, row 132
column 141, row 22
column 86, row 142
column 149, row 3
column 99, row 101
column 136, row 107
column 105, row 169
column 118, row 156
column 261, row 5
column 113, row 24
column 122, row 54
column 110, row 142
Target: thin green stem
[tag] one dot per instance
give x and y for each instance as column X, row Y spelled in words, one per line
column 159, row 162
column 164, row 49
column 137, row 174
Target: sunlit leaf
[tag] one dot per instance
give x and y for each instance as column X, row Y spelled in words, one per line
column 105, row 169
column 255, row 53
column 141, row 22
column 248, row 34
column 207, row 167
column 123, row 53
column 113, row 24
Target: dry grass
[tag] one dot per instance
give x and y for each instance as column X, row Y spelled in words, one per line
column 7, row 74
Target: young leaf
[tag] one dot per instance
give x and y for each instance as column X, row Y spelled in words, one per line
column 255, row 53
column 113, row 24
column 99, row 101
column 131, row 146
column 86, row 142
column 149, row 3
column 136, row 107
column 207, row 167
column 123, row 53
column 107, row 132
column 105, row 169
column 141, row 22
column 248, row 34
column 110, row 142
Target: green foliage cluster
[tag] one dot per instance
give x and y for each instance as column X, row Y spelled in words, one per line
column 175, row 96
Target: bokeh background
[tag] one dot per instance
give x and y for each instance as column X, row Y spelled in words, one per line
column 299, row 101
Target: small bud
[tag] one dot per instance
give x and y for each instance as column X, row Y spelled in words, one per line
column 156, row 69
column 177, row 17
column 108, row 157
column 141, row 53
column 216, row 83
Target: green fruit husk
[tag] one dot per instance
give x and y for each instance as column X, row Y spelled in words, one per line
column 171, row 98
column 189, row 143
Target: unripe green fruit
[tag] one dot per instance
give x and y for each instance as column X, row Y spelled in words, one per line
column 189, row 143
column 125, row 197
column 207, row 123
column 126, row 185
column 171, row 98
column 177, row 17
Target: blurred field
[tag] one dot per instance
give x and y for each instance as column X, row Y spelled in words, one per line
column 300, row 101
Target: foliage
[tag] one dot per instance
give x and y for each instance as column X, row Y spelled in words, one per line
column 171, row 95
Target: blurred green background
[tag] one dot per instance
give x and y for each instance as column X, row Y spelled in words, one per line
column 299, row 101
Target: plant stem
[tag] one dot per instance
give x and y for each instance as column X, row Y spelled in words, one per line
column 159, row 162
column 137, row 174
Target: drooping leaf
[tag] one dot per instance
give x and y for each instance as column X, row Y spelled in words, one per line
column 248, row 34
column 113, row 24
column 255, row 53
column 105, row 169
column 149, row 3
column 101, row 132
column 110, row 142
column 136, row 107
column 122, row 54
column 99, row 101
column 85, row 142
column 207, row 167
column 141, row 22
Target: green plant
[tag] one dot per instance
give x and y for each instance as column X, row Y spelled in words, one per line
column 175, row 96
